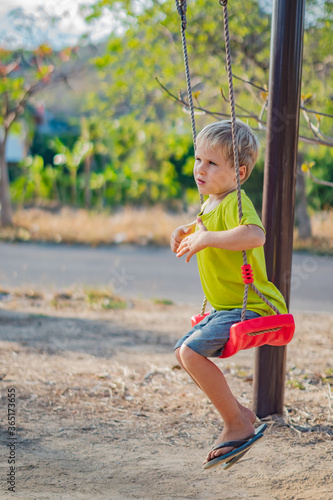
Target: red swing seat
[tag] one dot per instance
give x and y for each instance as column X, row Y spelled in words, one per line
column 277, row 330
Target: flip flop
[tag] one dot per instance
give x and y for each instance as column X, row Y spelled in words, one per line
column 241, row 447
column 230, row 463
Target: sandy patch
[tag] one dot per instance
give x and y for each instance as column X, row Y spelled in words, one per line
column 103, row 412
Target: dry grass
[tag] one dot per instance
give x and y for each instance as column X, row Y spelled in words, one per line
column 139, row 226
column 130, row 225
column 322, row 230
column 90, row 299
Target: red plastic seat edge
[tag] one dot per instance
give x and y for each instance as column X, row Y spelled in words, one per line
column 197, row 318
column 239, row 340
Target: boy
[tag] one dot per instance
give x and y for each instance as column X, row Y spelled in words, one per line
column 218, row 240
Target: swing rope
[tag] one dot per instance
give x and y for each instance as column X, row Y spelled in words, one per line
column 224, row 3
column 246, row 268
column 181, row 9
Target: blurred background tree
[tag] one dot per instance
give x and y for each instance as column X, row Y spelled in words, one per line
column 22, row 75
column 140, row 141
column 147, row 43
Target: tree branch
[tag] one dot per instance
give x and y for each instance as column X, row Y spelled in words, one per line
column 185, row 104
column 249, row 83
column 216, row 114
column 316, row 112
column 33, row 89
column 250, row 113
column 319, row 181
column 262, row 124
column 316, row 142
column 262, row 89
column 12, row 67
column 316, row 130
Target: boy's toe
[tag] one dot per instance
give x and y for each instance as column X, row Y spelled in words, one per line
column 209, row 457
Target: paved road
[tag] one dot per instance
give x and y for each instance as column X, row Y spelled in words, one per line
column 141, row 272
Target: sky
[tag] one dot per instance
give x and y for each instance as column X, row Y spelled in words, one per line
column 68, row 30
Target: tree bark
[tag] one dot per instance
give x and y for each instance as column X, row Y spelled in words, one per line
column 303, row 222
column 6, row 206
column 73, row 187
column 87, row 193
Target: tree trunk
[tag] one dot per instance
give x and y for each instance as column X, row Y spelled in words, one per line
column 303, row 222
column 87, row 193
column 6, row 207
column 73, row 187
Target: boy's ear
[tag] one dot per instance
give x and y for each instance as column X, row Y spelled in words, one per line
column 242, row 172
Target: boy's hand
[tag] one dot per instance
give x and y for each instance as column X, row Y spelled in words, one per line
column 178, row 235
column 193, row 243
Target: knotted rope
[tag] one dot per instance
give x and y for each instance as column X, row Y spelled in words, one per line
column 182, row 8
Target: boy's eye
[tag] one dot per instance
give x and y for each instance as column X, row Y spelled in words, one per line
column 197, row 159
column 212, row 163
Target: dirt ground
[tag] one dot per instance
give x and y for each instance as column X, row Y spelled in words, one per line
column 103, row 412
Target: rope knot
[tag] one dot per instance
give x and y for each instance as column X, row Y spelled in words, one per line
column 223, row 3
column 181, row 9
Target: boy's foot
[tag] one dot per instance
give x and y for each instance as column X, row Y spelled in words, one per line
column 244, row 430
column 248, row 414
column 229, row 435
column 240, row 448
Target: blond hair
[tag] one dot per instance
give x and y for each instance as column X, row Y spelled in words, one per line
column 218, row 135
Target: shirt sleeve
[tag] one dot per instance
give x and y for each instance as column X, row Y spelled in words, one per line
column 250, row 215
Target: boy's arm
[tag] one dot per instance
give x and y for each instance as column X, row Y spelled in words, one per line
column 242, row 237
column 179, row 234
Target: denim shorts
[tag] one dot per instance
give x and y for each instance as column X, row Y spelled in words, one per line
column 209, row 337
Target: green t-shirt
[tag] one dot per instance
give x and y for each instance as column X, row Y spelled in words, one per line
column 220, row 270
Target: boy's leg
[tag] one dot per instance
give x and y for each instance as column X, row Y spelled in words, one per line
column 237, row 423
column 249, row 414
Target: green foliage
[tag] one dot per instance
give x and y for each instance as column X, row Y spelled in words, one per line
column 71, row 159
column 320, row 197
column 22, row 75
column 148, row 136
column 36, row 183
column 139, row 139
column 145, row 161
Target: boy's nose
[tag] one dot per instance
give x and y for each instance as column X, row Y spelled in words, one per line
column 201, row 169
